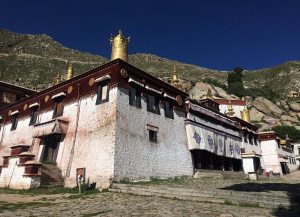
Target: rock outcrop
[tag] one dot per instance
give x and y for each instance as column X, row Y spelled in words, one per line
column 266, row 106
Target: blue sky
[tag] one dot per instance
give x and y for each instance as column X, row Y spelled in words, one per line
column 218, row 34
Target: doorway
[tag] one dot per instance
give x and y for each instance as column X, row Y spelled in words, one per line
column 50, row 148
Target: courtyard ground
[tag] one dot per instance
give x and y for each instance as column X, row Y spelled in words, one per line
column 161, row 201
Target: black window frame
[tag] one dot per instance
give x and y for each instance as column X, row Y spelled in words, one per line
column 153, row 136
column 100, row 87
column 14, row 122
column 135, row 96
column 56, row 103
column 34, row 115
column 156, row 104
column 168, row 108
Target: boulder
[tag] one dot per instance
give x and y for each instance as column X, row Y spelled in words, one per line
column 222, row 93
column 294, row 106
column 255, row 115
column 284, row 105
column 200, row 89
column 266, row 106
column 286, row 123
column 264, row 127
column 289, row 118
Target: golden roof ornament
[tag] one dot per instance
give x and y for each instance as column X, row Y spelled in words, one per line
column 119, row 47
column 230, row 112
column 57, row 79
column 245, row 115
column 70, row 72
column 175, row 80
column 209, row 94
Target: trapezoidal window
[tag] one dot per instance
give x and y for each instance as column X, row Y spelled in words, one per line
column 102, row 93
column 135, row 97
column 152, row 136
column 153, row 103
column 34, row 115
column 58, row 107
column 14, row 122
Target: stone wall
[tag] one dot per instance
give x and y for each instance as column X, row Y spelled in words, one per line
column 136, row 158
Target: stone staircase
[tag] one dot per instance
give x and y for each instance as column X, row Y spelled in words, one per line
column 255, row 199
column 219, row 174
column 51, row 175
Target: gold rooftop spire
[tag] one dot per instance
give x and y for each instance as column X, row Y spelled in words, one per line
column 175, row 80
column 119, row 47
column 70, row 72
column 209, row 94
column 57, row 79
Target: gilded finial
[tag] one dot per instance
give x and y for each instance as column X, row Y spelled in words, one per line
column 230, row 112
column 119, row 46
column 70, row 72
column 175, row 80
column 209, row 94
column 57, row 79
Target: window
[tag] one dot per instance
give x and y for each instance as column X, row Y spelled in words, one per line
column 14, row 122
column 152, row 136
column 58, row 107
column 9, row 97
column 255, row 141
column 250, row 139
column 102, row 93
column 153, row 104
column 135, row 97
column 34, row 115
column 169, row 113
column 245, row 138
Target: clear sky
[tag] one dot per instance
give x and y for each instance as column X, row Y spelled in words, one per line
column 218, row 34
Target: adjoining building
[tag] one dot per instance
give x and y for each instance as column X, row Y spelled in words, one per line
column 297, row 153
column 253, row 163
column 277, row 153
column 213, row 138
column 10, row 93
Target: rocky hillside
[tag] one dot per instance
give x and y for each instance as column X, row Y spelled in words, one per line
column 34, row 60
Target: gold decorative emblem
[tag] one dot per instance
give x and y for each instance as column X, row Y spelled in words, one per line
column 25, row 107
column 47, row 98
column 91, row 81
column 179, row 100
column 124, row 73
column 9, row 112
column 70, row 89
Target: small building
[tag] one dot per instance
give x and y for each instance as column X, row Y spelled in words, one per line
column 297, row 153
column 10, row 93
column 277, row 153
column 231, row 107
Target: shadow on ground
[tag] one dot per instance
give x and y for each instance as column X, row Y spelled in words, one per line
column 292, row 190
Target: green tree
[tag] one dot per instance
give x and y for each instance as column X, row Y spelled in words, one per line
column 291, row 131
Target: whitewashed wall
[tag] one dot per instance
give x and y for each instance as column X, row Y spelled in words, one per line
column 94, row 144
column 136, row 158
column 270, row 156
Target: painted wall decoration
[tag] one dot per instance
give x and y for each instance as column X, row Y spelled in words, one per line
column 215, row 142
